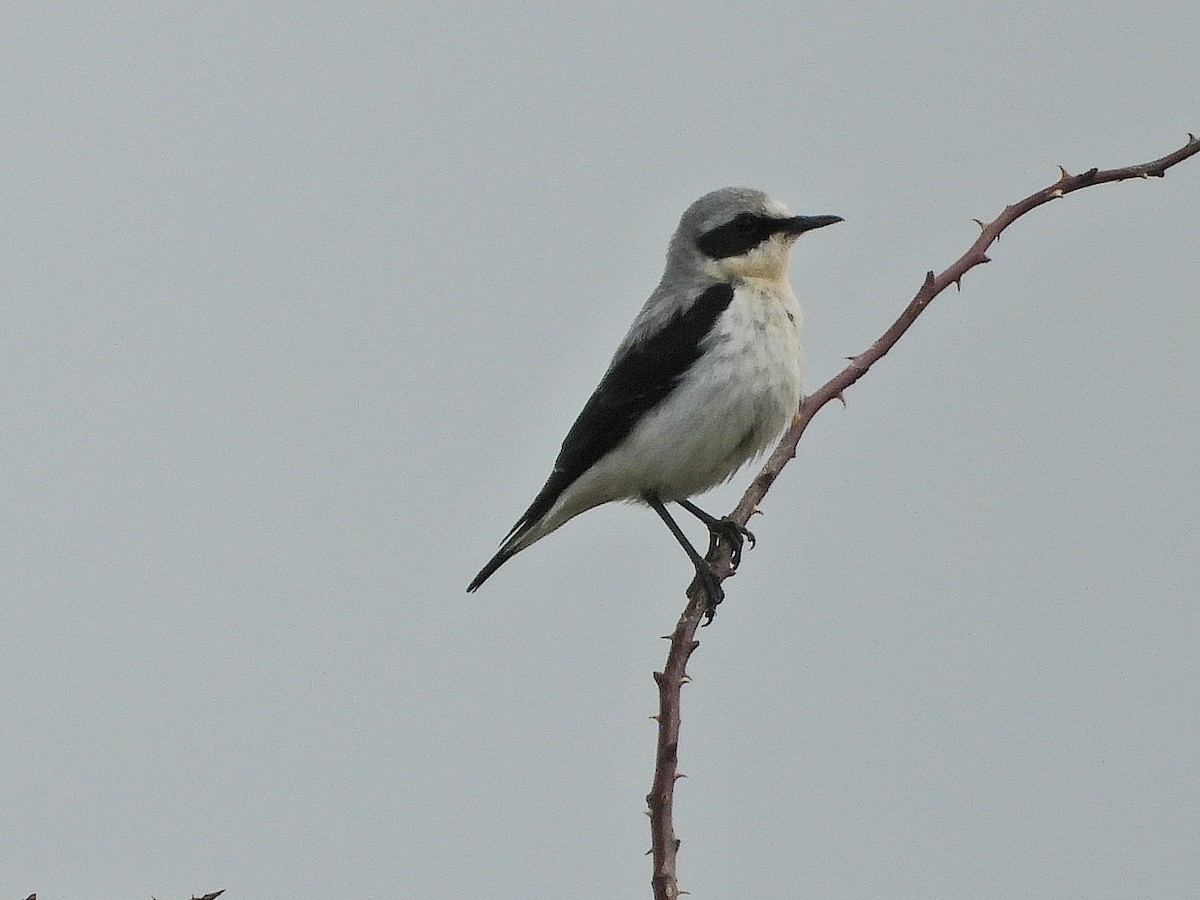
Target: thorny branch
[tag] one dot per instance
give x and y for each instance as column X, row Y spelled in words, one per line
column 683, row 638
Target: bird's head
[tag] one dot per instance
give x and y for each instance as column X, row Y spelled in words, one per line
column 737, row 233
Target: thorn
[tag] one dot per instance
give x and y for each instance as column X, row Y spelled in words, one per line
column 985, row 259
column 665, row 637
column 982, row 225
column 679, row 775
column 685, row 679
column 841, row 395
column 1191, row 138
column 655, row 718
column 958, row 283
column 651, row 850
column 1065, row 174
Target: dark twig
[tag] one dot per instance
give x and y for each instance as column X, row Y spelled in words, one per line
column 683, row 638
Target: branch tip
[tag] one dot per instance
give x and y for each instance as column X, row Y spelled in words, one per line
column 682, row 640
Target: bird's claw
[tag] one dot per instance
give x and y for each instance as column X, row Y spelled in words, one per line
column 712, row 587
column 734, row 534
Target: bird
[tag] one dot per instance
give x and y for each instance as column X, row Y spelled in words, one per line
column 708, row 376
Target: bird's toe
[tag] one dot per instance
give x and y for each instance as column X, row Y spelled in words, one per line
column 736, row 535
column 712, row 589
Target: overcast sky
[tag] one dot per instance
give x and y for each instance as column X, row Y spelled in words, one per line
column 299, row 301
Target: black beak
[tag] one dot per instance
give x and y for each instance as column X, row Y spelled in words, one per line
column 801, row 224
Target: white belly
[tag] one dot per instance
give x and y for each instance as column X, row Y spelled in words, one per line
column 734, row 403
column 729, row 407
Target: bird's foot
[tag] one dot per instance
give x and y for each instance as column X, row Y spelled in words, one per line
column 736, row 535
column 712, row 588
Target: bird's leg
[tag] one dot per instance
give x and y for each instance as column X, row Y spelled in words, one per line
column 725, row 528
column 704, row 571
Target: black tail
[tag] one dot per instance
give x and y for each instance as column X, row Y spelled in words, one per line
column 505, row 553
column 512, row 545
column 509, row 547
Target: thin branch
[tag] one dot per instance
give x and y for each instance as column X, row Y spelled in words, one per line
column 683, row 639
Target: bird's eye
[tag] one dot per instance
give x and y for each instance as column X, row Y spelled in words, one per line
column 739, row 235
column 746, row 223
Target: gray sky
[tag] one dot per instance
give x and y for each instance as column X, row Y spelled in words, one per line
column 299, row 302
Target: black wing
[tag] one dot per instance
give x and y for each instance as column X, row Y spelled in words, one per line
column 633, row 385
